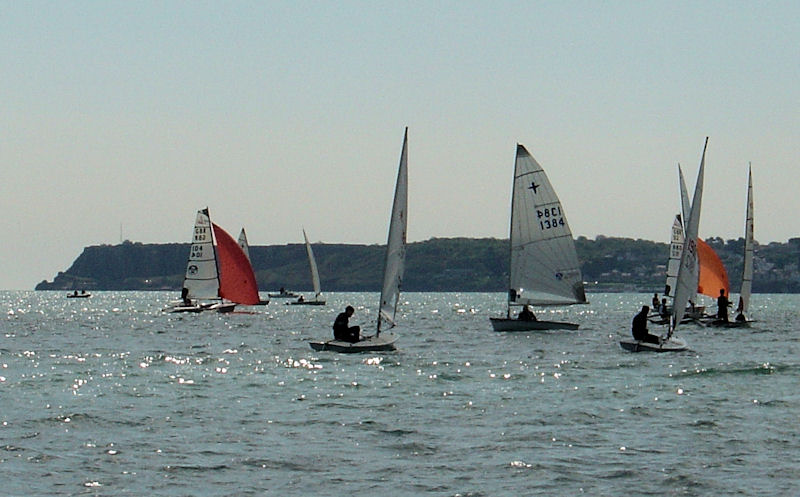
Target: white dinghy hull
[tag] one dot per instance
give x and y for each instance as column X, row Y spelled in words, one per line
column 673, row 344
column 380, row 343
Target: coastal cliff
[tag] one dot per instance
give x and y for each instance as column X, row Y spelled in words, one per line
column 438, row 264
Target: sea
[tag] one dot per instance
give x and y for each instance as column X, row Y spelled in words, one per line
column 109, row 396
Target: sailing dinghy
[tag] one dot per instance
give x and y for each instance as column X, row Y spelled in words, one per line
column 217, row 277
column 393, row 269
column 314, row 278
column 741, row 321
column 544, row 268
column 686, row 281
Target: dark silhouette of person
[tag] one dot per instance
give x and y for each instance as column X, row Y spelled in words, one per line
column 185, row 296
column 639, row 327
column 740, row 311
column 526, row 314
column 342, row 329
column 656, row 304
column 722, row 306
column 664, row 311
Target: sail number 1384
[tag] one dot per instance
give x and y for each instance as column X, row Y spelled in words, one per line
column 550, row 217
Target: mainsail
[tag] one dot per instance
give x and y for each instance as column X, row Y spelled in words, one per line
column 674, row 262
column 237, row 282
column 544, row 268
column 396, row 244
column 686, row 283
column 313, row 263
column 201, row 279
column 747, row 266
column 243, row 244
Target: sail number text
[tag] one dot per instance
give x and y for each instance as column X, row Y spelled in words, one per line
column 550, row 217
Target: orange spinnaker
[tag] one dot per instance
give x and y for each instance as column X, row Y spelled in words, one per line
column 713, row 276
column 237, row 282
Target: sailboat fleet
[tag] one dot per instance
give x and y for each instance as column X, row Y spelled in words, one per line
column 544, row 270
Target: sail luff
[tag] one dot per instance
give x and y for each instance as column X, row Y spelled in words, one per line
column 747, row 266
column 687, row 273
column 313, row 264
column 394, row 264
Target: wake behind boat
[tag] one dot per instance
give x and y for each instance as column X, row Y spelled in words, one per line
column 544, row 268
column 393, row 270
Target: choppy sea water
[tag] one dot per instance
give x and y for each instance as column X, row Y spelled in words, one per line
column 108, row 396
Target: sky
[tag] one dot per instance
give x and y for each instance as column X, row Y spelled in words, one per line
column 119, row 120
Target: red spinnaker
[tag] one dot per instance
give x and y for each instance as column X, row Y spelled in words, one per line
column 237, row 282
column 713, row 276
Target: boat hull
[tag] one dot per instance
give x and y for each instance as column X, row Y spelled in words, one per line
column 674, row 344
column 307, row 302
column 508, row 324
column 384, row 342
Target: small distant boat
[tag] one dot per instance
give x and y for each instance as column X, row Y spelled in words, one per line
column 217, row 277
column 76, row 295
column 687, row 277
column 544, row 268
column 283, row 294
column 246, row 249
column 393, row 270
column 314, row 278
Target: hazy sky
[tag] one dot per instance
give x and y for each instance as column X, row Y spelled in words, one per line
column 282, row 115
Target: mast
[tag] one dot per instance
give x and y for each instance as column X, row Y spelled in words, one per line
column 520, row 148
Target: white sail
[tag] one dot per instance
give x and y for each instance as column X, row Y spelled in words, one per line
column 686, row 284
column 544, row 268
column 747, row 267
column 313, row 263
column 674, row 262
column 396, row 244
column 243, row 243
column 201, row 280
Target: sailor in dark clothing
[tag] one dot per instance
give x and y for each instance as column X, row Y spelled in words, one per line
column 722, row 306
column 341, row 328
column 656, row 303
column 740, row 311
column 639, row 327
column 185, row 296
column 526, row 314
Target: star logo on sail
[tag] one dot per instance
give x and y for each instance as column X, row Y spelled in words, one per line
column 533, row 187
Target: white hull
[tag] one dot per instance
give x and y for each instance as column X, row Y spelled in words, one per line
column 507, row 324
column 384, row 342
column 674, row 344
